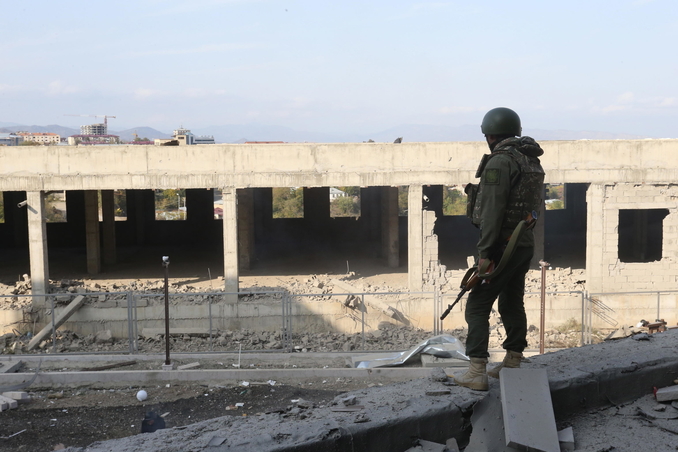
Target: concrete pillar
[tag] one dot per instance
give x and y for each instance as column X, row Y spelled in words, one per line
column 37, row 243
column 108, row 227
column 390, row 244
column 539, row 233
column 595, row 237
column 415, row 239
column 230, row 239
column 245, row 228
column 92, row 239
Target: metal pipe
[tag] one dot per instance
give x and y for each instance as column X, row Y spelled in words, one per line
column 542, row 320
column 165, row 263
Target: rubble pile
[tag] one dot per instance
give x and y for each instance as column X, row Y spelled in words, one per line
column 389, row 337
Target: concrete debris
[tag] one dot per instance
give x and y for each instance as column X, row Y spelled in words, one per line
column 529, row 420
column 8, row 402
column 188, row 366
column 438, row 374
column 19, row 396
column 452, row 445
column 566, row 439
column 667, row 394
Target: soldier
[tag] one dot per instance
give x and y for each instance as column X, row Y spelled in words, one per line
column 511, row 186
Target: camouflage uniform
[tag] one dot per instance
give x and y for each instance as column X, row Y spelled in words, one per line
column 511, row 185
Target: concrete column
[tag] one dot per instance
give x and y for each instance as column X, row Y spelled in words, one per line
column 370, row 211
column 92, row 240
column 539, row 234
column 230, row 239
column 108, row 229
column 415, row 239
column 390, row 244
column 37, row 243
column 245, row 228
column 595, row 237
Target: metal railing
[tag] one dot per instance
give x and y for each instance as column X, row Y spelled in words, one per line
column 591, row 306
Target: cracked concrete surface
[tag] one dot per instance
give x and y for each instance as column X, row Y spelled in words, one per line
column 595, row 389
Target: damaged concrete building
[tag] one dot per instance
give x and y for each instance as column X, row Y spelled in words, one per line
column 620, row 220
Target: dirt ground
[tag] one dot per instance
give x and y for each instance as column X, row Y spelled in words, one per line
column 79, row 417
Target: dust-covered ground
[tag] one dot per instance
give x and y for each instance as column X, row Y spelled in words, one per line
column 78, row 417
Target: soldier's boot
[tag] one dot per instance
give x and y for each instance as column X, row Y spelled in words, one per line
column 475, row 377
column 511, row 361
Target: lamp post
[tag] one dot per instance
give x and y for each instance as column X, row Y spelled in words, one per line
column 168, row 364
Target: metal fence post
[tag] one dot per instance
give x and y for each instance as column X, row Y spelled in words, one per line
column 130, row 326
column 209, row 309
column 54, row 349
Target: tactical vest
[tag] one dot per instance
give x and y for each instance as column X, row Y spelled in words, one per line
column 526, row 188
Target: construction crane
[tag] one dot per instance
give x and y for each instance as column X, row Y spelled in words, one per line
column 97, row 116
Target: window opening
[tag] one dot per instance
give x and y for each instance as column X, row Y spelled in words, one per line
column 641, row 234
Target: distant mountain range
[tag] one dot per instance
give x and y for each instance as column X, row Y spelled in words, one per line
column 256, row 132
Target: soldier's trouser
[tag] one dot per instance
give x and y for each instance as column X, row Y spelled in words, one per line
column 509, row 286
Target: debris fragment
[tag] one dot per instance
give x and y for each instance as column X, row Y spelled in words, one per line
column 109, row 366
column 566, row 439
column 667, row 394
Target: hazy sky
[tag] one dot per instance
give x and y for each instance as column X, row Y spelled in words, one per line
column 341, row 66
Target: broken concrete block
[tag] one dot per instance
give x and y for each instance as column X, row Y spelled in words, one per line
column 566, row 439
column 11, row 402
column 188, row 366
column 10, row 367
column 529, row 421
column 103, row 337
column 20, row 396
column 452, row 445
column 667, row 394
column 4, row 406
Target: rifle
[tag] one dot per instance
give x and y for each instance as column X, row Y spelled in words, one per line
column 475, row 275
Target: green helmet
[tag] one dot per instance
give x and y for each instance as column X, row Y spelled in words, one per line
column 501, row 121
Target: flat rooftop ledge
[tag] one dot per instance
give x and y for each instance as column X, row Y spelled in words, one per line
column 580, row 379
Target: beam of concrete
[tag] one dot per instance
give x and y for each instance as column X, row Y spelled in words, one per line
column 61, row 318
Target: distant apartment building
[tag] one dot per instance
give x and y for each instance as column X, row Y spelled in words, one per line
column 40, row 137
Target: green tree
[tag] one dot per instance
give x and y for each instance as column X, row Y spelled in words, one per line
column 454, row 202
column 345, row 206
column 555, row 205
column 29, row 143
column 288, row 202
